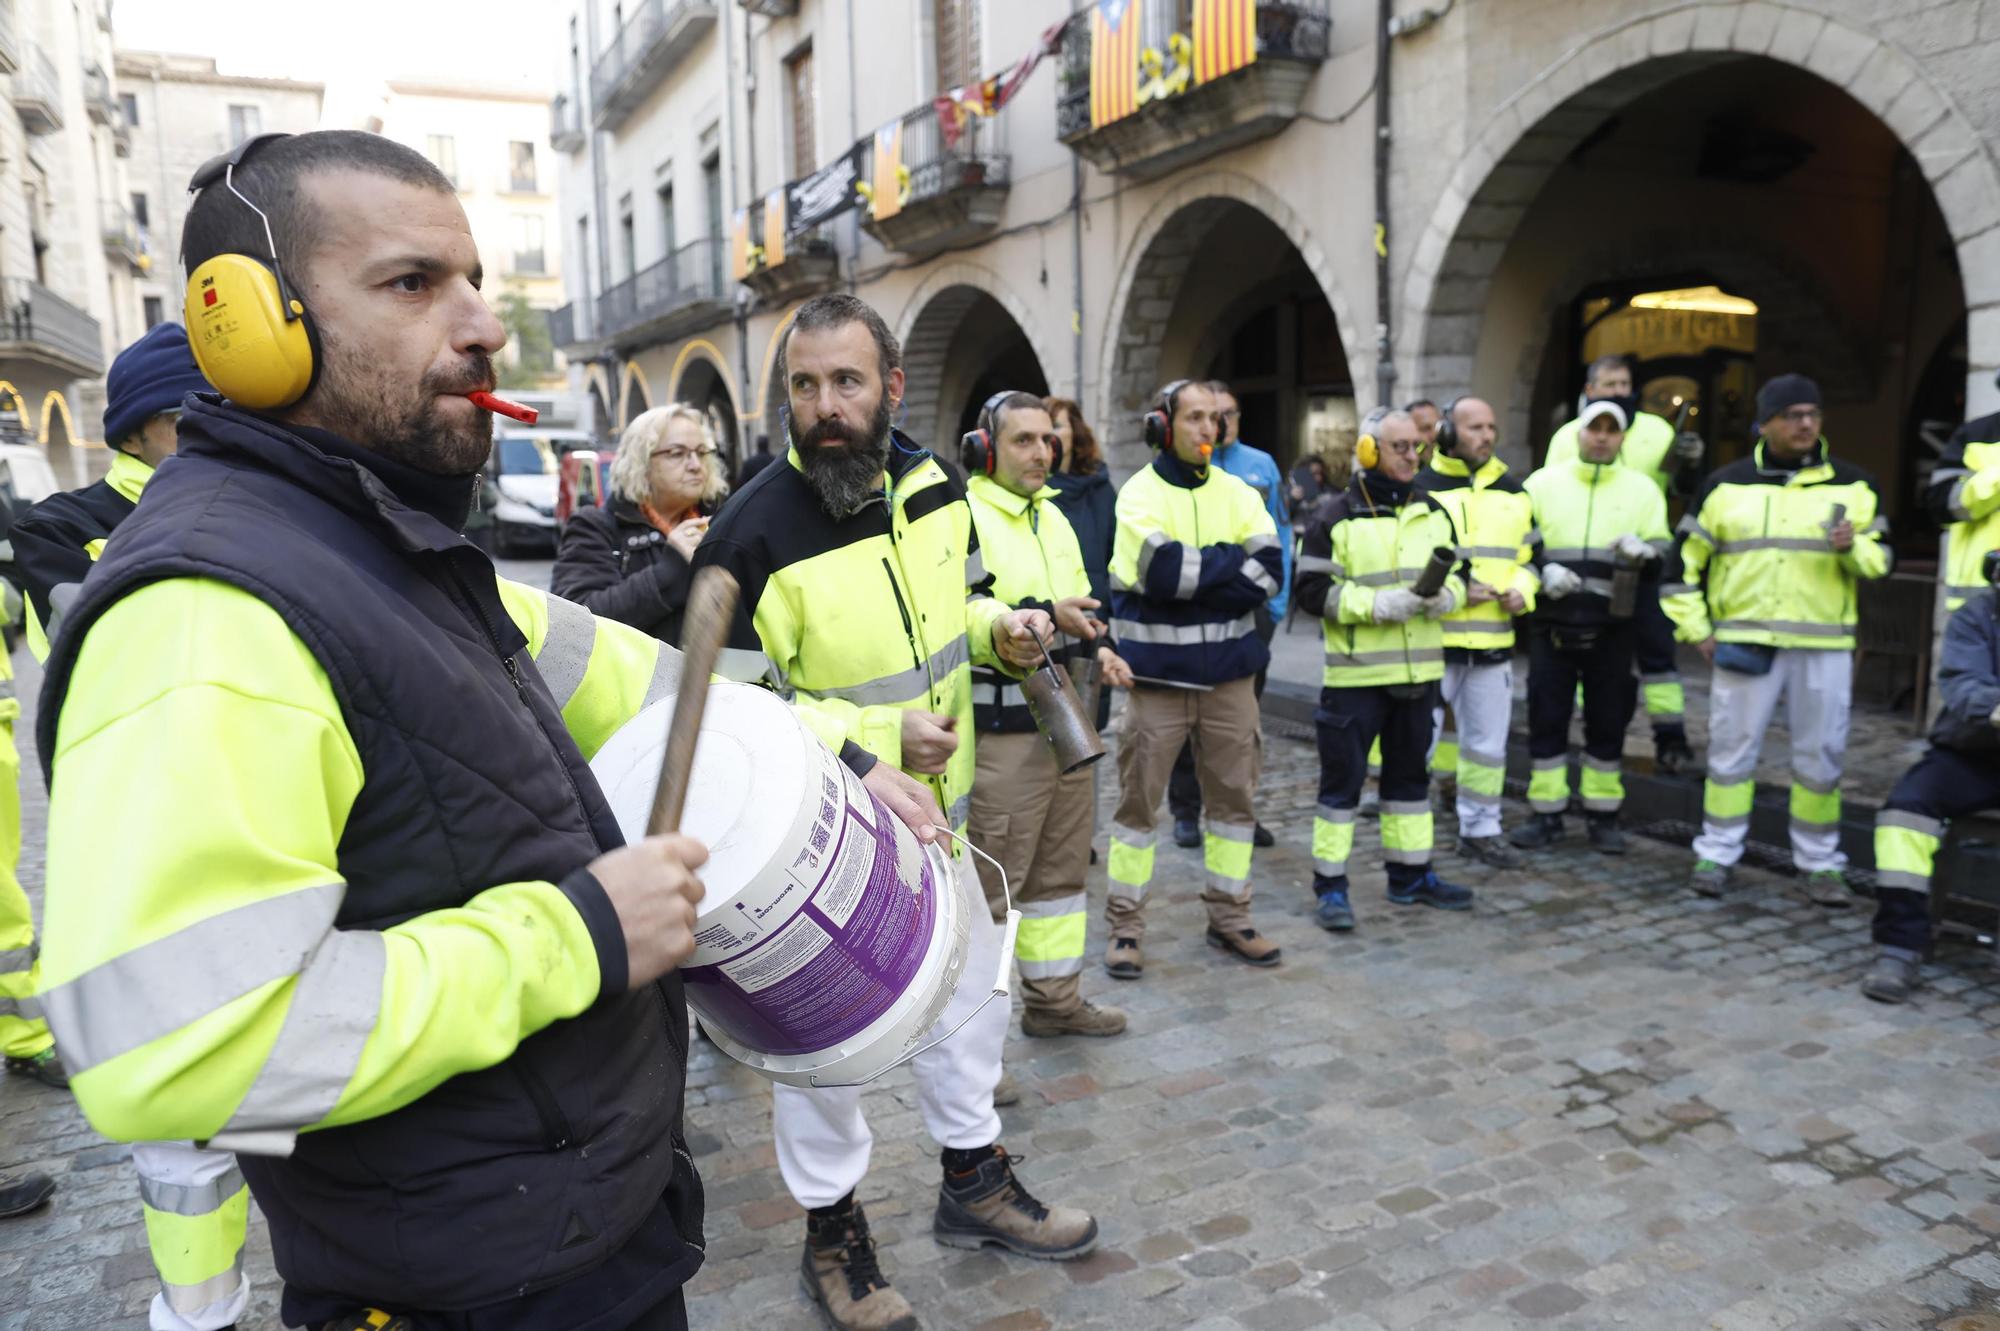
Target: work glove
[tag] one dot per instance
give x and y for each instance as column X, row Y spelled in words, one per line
column 1437, row 607
column 1633, row 550
column 1558, row 582
column 1394, row 605
column 1688, row 448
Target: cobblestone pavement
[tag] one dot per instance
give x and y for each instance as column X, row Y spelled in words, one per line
column 1593, row 1102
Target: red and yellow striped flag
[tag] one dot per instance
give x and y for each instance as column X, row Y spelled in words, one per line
column 1114, row 61
column 1225, row 37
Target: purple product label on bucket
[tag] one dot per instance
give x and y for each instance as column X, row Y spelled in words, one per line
column 848, row 952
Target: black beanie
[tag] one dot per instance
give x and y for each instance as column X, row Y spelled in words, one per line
column 1784, row 392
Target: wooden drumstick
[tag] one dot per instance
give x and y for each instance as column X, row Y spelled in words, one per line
column 711, row 608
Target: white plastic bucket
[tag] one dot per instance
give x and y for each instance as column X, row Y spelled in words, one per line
column 830, row 940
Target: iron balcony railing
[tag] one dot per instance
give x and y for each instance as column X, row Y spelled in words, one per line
column 562, row 326
column 936, row 169
column 1286, row 30
column 10, row 41
column 38, row 92
column 32, row 314
column 691, row 274
column 98, row 102
column 123, row 235
column 637, row 53
column 565, row 123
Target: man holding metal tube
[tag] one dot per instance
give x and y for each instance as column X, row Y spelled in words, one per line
column 1602, row 530
column 1028, row 812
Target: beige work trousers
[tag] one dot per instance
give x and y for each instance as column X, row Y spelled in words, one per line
column 1036, row 823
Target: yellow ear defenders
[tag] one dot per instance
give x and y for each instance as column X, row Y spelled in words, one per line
column 249, row 331
column 1367, row 453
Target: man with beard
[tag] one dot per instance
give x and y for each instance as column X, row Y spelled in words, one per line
column 336, row 889
column 865, row 598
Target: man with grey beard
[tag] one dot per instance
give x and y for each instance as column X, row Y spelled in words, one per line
column 865, row 599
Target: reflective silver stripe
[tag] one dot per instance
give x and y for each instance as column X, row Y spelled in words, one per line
column 1811, row 544
column 1512, row 552
column 1551, row 764
column 1388, row 577
column 975, row 569
column 1964, row 590
column 1475, row 759
column 1132, row 837
column 1672, row 589
column 1948, row 474
column 1332, row 815
column 1597, row 586
column 1239, row 888
column 1555, row 804
column 1330, row 868
column 1903, row 881
column 1149, row 547
column 745, row 666
column 1660, row 543
column 960, row 810
column 1797, row 627
column 1406, row 856
column 1261, row 541
column 1472, row 799
column 155, row 989
column 1601, row 804
column 1182, row 635
column 1803, row 824
column 1817, row 785
column 1405, row 808
column 666, row 680
column 1878, row 527
column 17, row 959
column 1260, row 575
column 1050, row 970
column 1719, row 777
column 1074, row 904
column 565, row 653
column 191, row 1198
column 6, row 688
column 1190, row 573
column 62, row 598
column 1725, row 822
column 1689, row 527
column 1123, row 891
column 1454, row 626
column 904, row 684
column 1244, row 832
column 986, row 693
column 1910, row 822
column 1417, row 656
column 333, row 1011
column 28, row 1009
column 1534, row 537
column 1320, row 564
column 1600, row 764
column 1955, row 501
column 1580, row 554
column 188, row 1300
column 1661, row 677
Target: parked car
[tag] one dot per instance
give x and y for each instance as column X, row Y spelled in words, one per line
column 523, row 474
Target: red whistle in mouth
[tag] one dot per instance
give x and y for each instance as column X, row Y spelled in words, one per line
column 500, row 406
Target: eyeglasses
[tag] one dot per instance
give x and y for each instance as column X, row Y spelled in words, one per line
column 677, row 455
column 1233, row 413
column 1801, row 415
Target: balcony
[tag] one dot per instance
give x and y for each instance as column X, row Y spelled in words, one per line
column 121, row 135
column 653, row 40
column 562, row 328
column 10, row 39
column 37, row 92
column 680, row 294
column 955, row 194
column 1177, row 116
column 38, row 325
column 565, row 123
column 125, row 239
column 795, row 265
column 98, row 103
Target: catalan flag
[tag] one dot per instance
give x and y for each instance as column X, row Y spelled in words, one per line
column 1114, row 60
column 1225, row 37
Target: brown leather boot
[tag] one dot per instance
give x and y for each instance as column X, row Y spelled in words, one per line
column 987, row 1206
column 841, row 1275
column 1056, row 1006
column 1229, row 929
column 1125, row 959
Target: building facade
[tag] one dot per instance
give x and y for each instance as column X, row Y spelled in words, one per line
column 1719, row 190
column 180, row 113
column 71, row 251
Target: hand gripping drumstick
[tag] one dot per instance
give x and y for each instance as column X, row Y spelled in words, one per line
column 710, row 610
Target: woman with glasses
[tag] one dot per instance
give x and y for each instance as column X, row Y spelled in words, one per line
column 630, row 560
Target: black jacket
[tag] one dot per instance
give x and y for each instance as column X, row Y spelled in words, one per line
column 1090, row 502
column 614, row 563
column 1969, row 677
column 526, row 1175
column 51, row 543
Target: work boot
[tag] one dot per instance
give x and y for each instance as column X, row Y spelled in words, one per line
column 1828, row 887
column 44, row 1067
column 1334, row 913
column 1605, row 838
column 1187, row 833
column 1430, row 890
column 1006, row 1091
column 1263, row 838
column 22, row 1193
column 1894, row 976
column 1079, row 1019
column 841, row 1275
column 1541, row 831
column 1491, row 850
column 986, row 1206
column 1670, row 750
column 1709, row 879
column 1229, row 929
column 1125, row 959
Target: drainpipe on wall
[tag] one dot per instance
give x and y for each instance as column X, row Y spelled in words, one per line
column 1076, row 251
column 853, row 133
column 737, row 199
column 1385, row 363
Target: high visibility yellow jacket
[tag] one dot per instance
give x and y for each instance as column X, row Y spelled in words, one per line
column 1031, row 550
column 1196, row 554
column 1648, row 449
column 57, row 541
column 1495, row 520
column 1375, row 536
column 863, row 618
column 1754, row 564
column 1964, row 498
column 1581, row 509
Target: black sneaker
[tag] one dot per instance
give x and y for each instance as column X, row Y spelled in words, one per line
column 1539, row 832
column 44, row 1067
column 1670, row 750
column 22, row 1193
column 1605, row 838
column 1431, row 890
column 1491, row 850
column 1262, row 837
column 1187, row 833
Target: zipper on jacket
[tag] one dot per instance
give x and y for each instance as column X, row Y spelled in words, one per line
column 556, row 1131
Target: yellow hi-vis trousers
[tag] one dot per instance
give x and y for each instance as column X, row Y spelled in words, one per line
column 23, row 1033
column 1036, row 822
column 197, row 1214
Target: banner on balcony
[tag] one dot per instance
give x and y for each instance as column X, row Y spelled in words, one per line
column 829, row 191
column 986, row 97
column 890, row 182
column 1114, row 60
column 774, row 227
column 741, row 262
column 1225, row 37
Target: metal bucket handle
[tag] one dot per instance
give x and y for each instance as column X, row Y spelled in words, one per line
column 1002, row 985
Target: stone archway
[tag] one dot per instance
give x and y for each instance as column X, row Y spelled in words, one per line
column 701, row 378
column 1157, row 258
column 1447, row 282
column 931, row 322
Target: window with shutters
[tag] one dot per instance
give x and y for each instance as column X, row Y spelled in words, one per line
column 955, row 37
column 799, row 98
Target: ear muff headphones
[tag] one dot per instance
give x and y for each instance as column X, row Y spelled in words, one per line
column 1367, row 453
column 1447, row 431
column 977, row 447
column 249, row 331
column 1158, row 423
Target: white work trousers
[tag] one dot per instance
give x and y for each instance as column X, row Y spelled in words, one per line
column 1481, row 697
column 183, row 1179
column 1817, row 685
column 822, row 1136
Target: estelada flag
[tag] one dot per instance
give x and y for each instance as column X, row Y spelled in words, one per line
column 1225, row 37
column 1114, row 61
